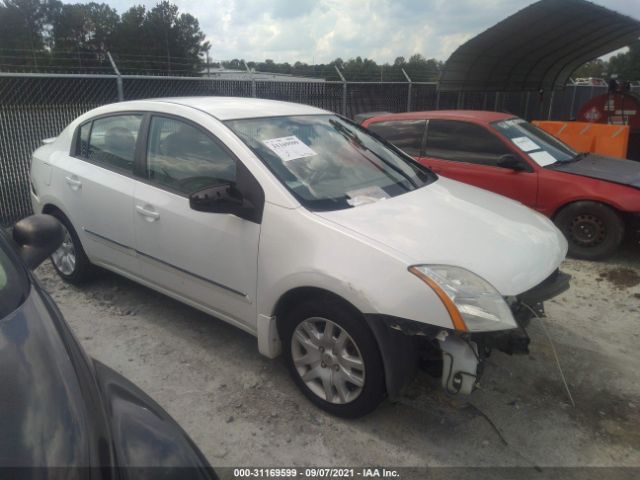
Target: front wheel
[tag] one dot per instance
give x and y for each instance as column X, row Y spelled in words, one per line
column 593, row 230
column 334, row 359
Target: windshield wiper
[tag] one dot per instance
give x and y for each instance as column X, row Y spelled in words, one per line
column 356, row 142
column 578, row 157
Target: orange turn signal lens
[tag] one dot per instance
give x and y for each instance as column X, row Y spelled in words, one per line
column 454, row 313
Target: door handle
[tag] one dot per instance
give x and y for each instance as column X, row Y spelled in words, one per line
column 150, row 215
column 73, row 182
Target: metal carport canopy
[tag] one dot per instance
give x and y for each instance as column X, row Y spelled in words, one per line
column 538, row 47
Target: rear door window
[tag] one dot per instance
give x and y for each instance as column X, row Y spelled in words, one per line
column 407, row 135
column 112, row 141
column 463, row 142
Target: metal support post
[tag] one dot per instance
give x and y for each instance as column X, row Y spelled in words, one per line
column 344, row 91
column 118, row 78
column 408, row 89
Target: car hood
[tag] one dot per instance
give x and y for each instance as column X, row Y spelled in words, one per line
column 624, row 172
column 448, row 222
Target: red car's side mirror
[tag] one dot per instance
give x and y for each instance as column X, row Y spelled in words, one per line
column 513, row 162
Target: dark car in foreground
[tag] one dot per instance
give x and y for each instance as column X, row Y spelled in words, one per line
column 592, row 199
column 59, row 407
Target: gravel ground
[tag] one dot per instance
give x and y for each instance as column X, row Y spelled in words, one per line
column 242, row 409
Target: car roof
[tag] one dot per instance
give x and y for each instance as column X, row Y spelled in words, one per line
column 232, row 108
column 473, row 115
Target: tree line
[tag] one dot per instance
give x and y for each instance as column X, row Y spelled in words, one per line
column 626, row 66
column 48, row 35
column 418, row 68
column 51, row 36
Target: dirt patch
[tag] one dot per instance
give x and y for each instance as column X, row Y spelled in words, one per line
column 607, row 414
column 622, row 277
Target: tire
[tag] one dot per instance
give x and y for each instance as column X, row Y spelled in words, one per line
column 75, row 272
column 593, row 230
column 344, row 365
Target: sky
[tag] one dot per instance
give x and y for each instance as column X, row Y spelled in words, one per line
column 318, row 31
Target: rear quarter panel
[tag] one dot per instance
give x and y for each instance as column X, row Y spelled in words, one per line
column 44, row 162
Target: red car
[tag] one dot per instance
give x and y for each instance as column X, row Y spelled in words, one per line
column 592, row 199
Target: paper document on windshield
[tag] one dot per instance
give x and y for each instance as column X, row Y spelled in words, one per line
column 289, row 148
column 543, row 158
column 525, row 144
column 366, row 195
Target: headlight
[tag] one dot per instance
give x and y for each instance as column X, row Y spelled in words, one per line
column 472, row 302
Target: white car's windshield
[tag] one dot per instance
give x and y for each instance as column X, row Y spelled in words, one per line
column 543, row 148
column 329, row 163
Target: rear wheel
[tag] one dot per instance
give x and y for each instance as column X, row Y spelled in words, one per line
column 69, row 260
column 333, row 357
column 593, row 230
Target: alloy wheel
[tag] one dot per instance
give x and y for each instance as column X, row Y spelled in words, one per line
column 64, row 258
column 328, row 360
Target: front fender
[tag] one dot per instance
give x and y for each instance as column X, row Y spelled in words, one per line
column 314, row 279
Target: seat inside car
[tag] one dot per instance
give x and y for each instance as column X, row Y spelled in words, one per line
column 118, row 150
column 187, row 153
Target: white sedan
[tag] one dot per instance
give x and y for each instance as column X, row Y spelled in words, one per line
column 303, row 229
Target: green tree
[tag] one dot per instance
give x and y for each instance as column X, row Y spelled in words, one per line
column 171, row 42
column 594, row 68
column 81, row 33
column 69, row 37
column 422, row 70
column 22, row 32
column 627, row 65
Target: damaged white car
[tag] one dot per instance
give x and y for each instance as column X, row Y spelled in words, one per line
column 300, row 227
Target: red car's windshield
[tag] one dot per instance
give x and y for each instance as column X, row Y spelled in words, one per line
column 544, row 149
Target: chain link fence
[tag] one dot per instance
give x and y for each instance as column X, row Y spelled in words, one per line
column 38, row 106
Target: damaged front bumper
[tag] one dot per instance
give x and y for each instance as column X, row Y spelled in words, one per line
column 463, row 355
column 460, row 356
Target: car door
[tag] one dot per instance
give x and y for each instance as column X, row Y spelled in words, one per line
column 469, row 153
column 205, row 259
column 96, row 185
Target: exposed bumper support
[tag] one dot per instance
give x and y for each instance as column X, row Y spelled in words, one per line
column 460, row 364
column 511, row 342
column 462, row 355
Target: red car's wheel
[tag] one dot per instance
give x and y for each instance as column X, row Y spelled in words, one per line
column 593, row 230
